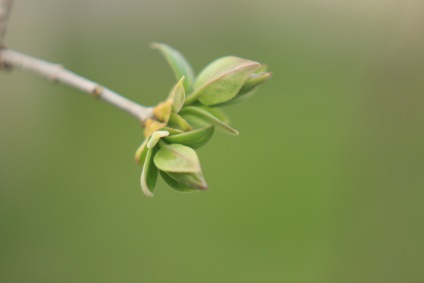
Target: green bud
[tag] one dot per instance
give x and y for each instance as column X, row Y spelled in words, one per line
column 176, row 158
column 221, row 80
column 193, row 139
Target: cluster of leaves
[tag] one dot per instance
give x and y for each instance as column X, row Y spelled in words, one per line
column 186, row 120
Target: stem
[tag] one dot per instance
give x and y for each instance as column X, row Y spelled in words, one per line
column 57, row 73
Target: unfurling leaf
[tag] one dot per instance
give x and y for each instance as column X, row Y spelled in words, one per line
column 156, row 136
column 176, row 158
column 149, row 174
column 199, row 113
column 175, row 184
column 177, row 96
column 221, row 80
column 178, row 122
column 192, row 180
column 193, row 139
column 179, row 64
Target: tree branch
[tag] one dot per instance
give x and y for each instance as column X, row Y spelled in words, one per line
column 5, row 6
column 57, row 73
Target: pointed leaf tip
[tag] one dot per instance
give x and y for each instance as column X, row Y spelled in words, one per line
column 178, row 63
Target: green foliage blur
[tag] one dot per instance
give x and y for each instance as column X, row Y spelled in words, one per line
column 324, row 184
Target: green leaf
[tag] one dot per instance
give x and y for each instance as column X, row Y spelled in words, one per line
column 197, row 122
column 262, row 69
column 253, row 82
column 196, row 112
column 193, row 139
column 218, row 113
column 249, row 88
column 178, row 63
column 176, row 121
column 176, row 158
column 178, row 96
column 192, row 180
column 141, row 152
column 149, row 174
column 156, row 136
column 176, row 185
column 221, row 80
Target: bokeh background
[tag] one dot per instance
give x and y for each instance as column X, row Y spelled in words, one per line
column 324, row 184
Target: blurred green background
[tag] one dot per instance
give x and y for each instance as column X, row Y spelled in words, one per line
column 324, row 184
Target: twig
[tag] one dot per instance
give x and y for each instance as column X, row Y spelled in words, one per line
column 57, row 73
